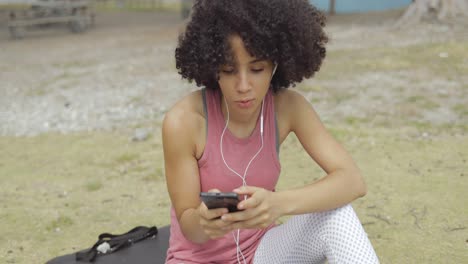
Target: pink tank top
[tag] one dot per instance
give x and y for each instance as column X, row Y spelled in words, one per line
column 263, row 172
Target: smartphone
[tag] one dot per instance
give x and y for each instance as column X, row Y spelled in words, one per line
column 214, row 200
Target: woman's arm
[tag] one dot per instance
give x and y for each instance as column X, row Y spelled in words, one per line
column 182, row 127
column 181, row 169
column 343, row 182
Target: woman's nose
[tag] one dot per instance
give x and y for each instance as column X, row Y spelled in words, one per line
column 243, row 83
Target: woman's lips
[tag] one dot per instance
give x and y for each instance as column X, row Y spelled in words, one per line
column 245, row 103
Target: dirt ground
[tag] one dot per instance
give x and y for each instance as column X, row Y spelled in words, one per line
column 69, row 104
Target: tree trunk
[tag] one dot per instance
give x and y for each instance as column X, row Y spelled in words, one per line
column 332, row 7
column 433, row 9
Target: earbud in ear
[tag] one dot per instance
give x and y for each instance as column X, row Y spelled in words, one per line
column 274, row 70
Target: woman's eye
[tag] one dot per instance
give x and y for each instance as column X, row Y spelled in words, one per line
column 257, row 70
column 228, row 71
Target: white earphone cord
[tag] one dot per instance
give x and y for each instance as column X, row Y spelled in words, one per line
column 244, row 182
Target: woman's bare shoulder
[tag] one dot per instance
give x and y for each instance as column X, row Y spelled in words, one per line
column 291, row 106
column 189, row 104
column 287, row 97
column 288, row 102
column 186, row 115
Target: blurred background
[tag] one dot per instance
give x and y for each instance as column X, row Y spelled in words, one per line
column 84, row 86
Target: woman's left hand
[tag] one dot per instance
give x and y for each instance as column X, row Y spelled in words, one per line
column 259, row 210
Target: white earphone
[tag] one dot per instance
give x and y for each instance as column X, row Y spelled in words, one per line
column 244, row 182
column 261, row 115
column 274, row 70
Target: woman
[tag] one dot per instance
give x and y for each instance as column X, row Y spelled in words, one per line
column 226, row 137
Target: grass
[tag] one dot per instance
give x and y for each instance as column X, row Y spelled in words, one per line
column 58, row 192
column 408, row 178
column 461, row 109
column 417, row 85
column 424, row 57
column 93, row 186
column 59, row 223
column 126, row 157
column 46, row 185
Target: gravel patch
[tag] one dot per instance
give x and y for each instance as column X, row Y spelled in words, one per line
column 121, row 74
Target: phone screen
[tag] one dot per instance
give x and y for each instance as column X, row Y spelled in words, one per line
column 220, row 200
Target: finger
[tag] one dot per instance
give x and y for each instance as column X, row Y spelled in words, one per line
column 246, row 190
column 203, row 210
column 217, row 227
column 214, row 191
column 239, row 216
column 256, row 222
column 215, row 213
column 220, row 224
column 249, row 203
column 209, row 214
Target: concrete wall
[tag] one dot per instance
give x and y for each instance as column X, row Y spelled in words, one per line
column 356, row 6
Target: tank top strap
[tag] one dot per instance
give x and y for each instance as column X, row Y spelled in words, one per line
column 214, row 120
column 270, row 125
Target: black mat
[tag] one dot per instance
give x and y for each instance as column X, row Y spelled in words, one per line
column 149, row 251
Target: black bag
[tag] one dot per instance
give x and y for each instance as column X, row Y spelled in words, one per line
column 140, row 245
column 110, row 243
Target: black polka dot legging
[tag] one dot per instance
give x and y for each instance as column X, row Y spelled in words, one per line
column 336, row 236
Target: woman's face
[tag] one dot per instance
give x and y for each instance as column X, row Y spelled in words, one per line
column 245, row 83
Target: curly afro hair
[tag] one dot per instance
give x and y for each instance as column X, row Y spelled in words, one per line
column 289, row 33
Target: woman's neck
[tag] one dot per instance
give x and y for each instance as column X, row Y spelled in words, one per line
column 241, row 126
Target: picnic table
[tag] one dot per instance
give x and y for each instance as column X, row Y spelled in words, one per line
column 24, row 14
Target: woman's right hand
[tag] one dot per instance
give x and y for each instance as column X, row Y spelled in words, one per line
column 210, row 220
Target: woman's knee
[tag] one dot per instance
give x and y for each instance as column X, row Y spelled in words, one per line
column 331, row 222
column 331, row 216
